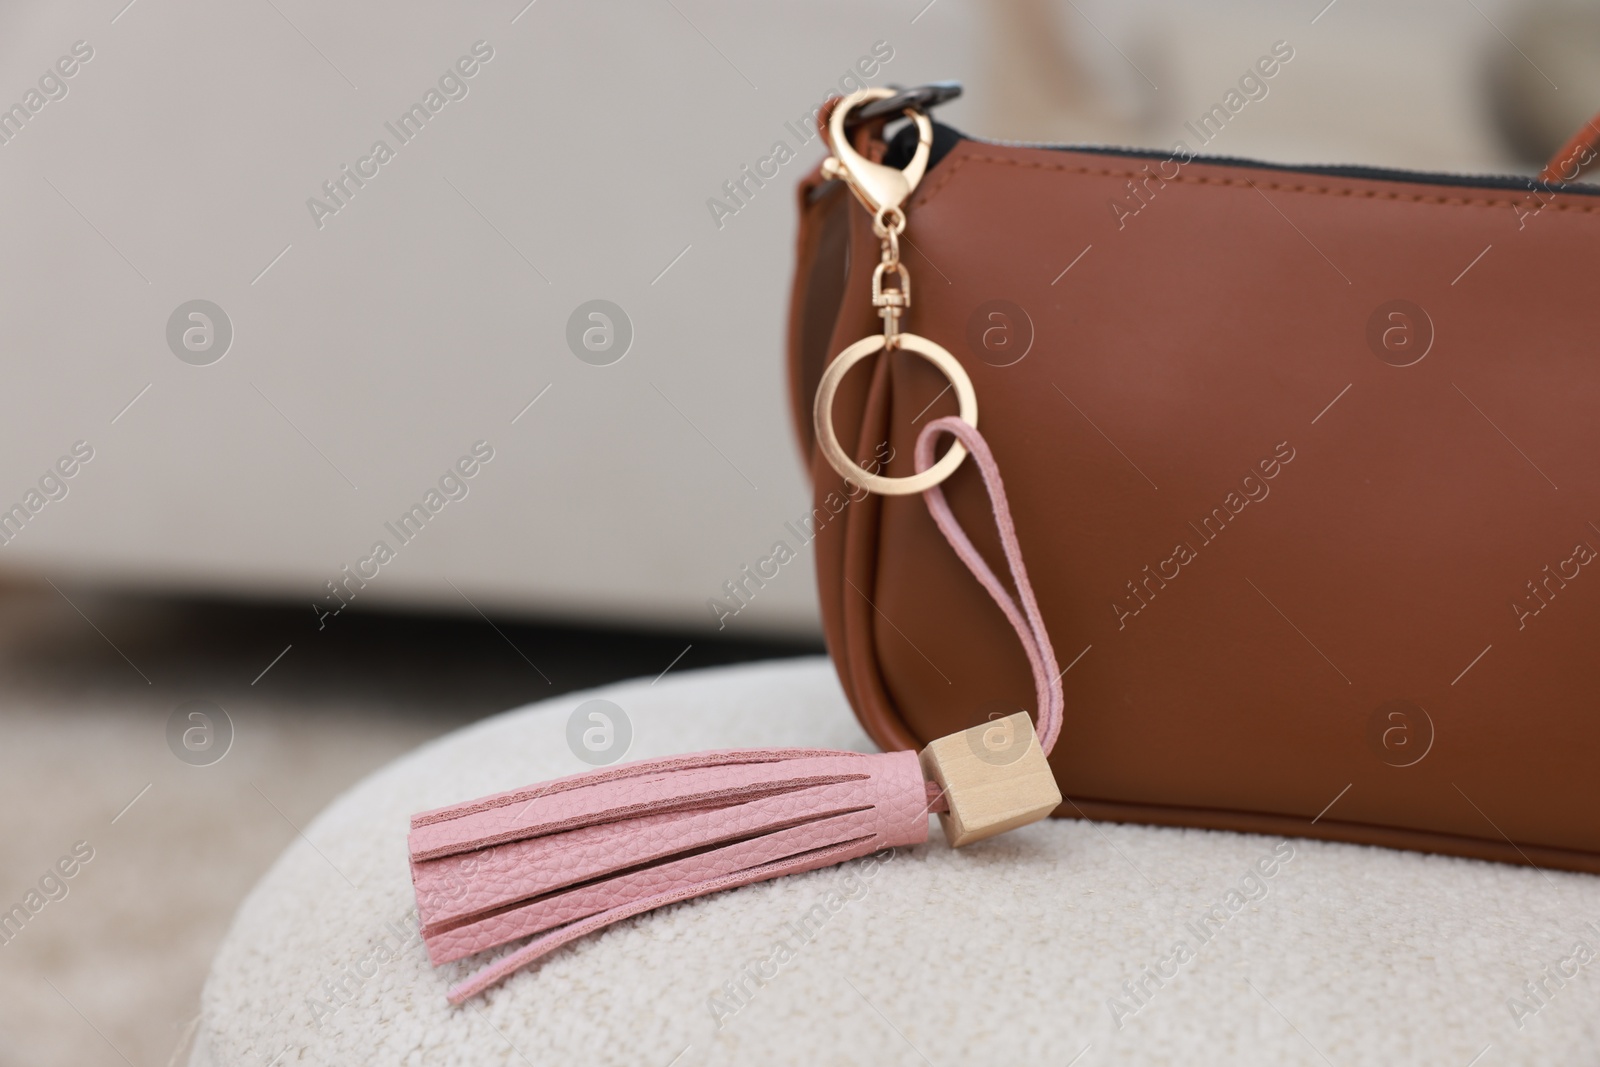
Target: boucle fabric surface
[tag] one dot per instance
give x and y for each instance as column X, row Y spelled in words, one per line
column 1061, row 943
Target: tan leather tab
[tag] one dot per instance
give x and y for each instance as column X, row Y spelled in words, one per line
column 1575, row 156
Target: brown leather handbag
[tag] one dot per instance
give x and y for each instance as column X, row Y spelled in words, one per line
column 1304, row 462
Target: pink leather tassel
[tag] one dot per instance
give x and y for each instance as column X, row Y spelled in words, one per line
column 562, row 859
column 565, row 858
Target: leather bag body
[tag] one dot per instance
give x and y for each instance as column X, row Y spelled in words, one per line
column 1305, row 465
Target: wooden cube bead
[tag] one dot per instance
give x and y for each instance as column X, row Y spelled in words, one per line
column 994, row 776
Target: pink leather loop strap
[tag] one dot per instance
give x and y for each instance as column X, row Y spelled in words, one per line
column 1025, row 619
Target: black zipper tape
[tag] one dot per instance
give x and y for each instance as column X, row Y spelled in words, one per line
column 945, row 138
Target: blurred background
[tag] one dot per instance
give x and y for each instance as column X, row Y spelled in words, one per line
column 261, row 346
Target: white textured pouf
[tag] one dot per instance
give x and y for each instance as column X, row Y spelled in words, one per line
column 1055, row 944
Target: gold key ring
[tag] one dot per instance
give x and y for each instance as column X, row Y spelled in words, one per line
column 839, row 459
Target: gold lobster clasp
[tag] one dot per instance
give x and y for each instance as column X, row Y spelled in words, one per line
column 881, row 189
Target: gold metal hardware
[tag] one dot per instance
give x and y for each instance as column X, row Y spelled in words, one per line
column 883, row 191
column 878, row 187
column 839, row 459
column 891, row 303
column 994, row 776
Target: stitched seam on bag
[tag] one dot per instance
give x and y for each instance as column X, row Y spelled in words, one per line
column 1352, row 192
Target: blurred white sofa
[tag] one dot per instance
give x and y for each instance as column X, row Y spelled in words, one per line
column 378, row 319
